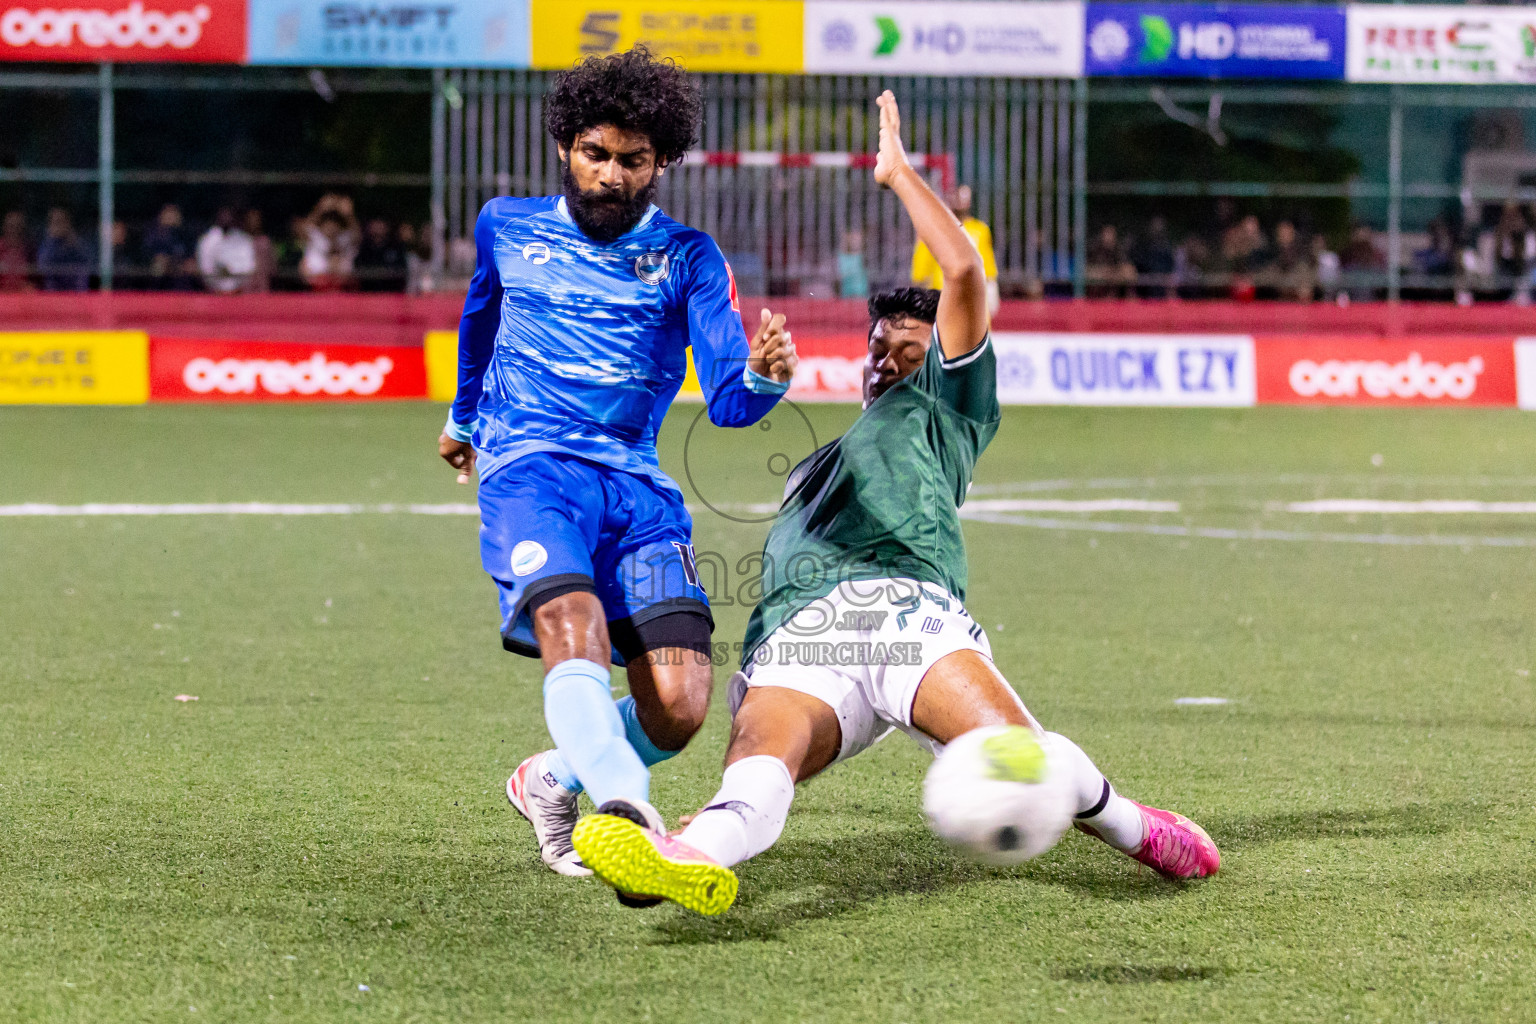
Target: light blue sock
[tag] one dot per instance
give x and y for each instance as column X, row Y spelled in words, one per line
column 649, row 752
column 589, row 732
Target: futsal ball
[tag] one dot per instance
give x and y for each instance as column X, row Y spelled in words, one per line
column 999, row 794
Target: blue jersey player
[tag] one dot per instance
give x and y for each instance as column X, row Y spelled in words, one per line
column 571, row 348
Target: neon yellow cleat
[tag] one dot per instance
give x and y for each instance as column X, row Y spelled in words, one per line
column 641, row 862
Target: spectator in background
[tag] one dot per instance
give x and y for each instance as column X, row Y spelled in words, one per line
column 15, row 254
column 261, row 246
column 63, row 261
column 226, row 256
column 1152, row 256
column 1325, row 263
column 1289, row 274
column 852, row 274
column 1244, row 249
column 417, row 246
column 330, row 244
column 1193, row 266
column 288, row 254
column 1110, row 274
column 380, row 259
column 1514, row 253
column 925, row 269
column 167, row 253
column 1438, row 258
column 1363, row 265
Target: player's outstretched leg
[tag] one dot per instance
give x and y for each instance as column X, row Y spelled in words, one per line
column 1164, row 841
column 644, row 865
column 965, row 691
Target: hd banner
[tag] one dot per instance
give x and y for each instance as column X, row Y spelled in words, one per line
column 702, row 35
column 1441, row 44
column 1215, row 41
column 120, row 31
column 440, row 33
column 963, row 37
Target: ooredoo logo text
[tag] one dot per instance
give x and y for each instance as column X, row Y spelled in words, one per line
column 132, row 26
column 313, row 376
column 1414, row 377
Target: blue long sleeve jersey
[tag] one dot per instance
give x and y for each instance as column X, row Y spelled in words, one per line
column 569, row 345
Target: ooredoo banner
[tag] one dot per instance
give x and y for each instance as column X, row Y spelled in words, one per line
column 1215, row 40
column 188, row 370
column 1125, row 369
column 442, row 33
column 1320, row 370
column 201, row 31
column 963, row 37
column 1441, row 43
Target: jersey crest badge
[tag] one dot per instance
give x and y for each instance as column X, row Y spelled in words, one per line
column 653, row 267
column 536, row 253
column 527, row 557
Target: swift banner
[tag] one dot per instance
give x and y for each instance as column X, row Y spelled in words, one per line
column 442, row 33
column 1125, row 369
column 74, row 368
column 185, row 370
column 204, row 31
column 963, row 37
column 1215, row 40
column 1441, row 44
column 702, row 35
column 1363, row 370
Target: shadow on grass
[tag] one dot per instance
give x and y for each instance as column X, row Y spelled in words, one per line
column 1240, row 833
column 1139, row 974
column 806, row 880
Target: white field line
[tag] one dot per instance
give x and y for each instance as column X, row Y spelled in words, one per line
column 1064, row 505
column 1443, row 508
column 1223, row 533
column 246, row 508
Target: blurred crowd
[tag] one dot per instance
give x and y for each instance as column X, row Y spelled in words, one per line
column 329, row 249
column 1239, row 257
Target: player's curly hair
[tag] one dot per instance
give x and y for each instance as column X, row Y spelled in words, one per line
column 920, row 304
column 633, row 91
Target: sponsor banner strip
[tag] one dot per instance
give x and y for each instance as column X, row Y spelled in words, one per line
column 443, row 33
column 1363, row 370
column 1211, row 370
column 192, row 370
column 120, row 31
column 74, row 368
column 702, row 35
column 1215, row 40
column 1441, row 44
column 1525, row 372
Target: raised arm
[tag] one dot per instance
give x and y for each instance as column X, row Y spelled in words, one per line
column 742, row 379
column 962, row 319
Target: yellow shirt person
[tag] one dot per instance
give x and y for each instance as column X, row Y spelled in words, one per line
column 925, row 269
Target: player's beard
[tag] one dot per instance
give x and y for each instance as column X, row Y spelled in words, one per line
column 603, row 215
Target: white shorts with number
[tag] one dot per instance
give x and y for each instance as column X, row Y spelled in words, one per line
column 862, row 651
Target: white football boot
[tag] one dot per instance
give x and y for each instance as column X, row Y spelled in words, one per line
column 551, row 809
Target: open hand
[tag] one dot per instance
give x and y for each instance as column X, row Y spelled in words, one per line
column 892, row 159
column 771, row 353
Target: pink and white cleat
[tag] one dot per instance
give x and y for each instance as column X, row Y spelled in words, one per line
column 551, row 809
column 1176, row 847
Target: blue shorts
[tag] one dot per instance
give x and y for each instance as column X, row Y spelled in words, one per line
column 550, row 521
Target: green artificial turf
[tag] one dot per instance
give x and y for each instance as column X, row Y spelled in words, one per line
column 329, row 813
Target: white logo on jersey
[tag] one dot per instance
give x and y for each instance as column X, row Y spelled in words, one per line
column 653, row 267
column 536, row 253
column 528, row 556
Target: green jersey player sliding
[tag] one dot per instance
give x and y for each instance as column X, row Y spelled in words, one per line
column 861, row 629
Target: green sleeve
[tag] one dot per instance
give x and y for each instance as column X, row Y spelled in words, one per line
column 968, row 385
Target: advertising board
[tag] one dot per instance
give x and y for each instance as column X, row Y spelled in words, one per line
column 123, row 31
column 1125, row 369
column 190, row 370
column 1364, row 370
column 74, row 368
column 1441, row 43
column 1525, row 372
column 702, row 35
column 1215, row 40
column 439, row 33
column 962, row 37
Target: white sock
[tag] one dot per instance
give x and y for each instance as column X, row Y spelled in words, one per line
column 747, row 814
column 1112, row 817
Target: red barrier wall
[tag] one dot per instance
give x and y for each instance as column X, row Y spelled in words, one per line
column 399, row 320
